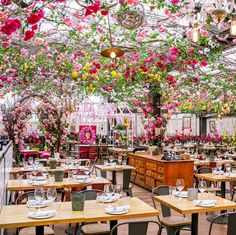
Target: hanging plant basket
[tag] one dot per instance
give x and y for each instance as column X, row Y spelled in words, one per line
column 131, row 17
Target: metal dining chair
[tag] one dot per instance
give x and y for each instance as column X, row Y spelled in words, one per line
column 22, row 199
column 171, row 223
column 91, row 228
column 231, row 223
column 136, row 228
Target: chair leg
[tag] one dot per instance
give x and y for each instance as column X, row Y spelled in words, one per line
column 160, row 231
column 171, row 231
column 232, row 198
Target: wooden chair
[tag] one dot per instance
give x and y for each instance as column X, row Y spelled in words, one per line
column 103, row 151
column 93, row 152
column 136, row 228
column 92, row 228
column 171, row 223
column 22, row 199
column 231, row 223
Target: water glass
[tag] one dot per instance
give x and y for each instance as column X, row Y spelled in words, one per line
column 202, row 186
column 172, row 189
column 118, row 190
column 51, row 178
column 39, row 195
column 51, row 194
column 29, row 177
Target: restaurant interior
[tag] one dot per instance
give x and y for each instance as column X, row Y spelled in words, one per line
column 117, row 117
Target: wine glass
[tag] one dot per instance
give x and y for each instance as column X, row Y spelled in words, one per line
column 51, row 194
column 227, row 167
column 218, row 166
column 31, row 160
column 111, row 158
column 86, row 170
column 109, row 189
column 39, row 195
column 118, row 190
column 180, row 186
column 202, row 186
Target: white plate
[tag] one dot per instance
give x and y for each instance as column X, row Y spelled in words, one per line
column 39, row 178
column 80, row 177
column 88, row 180
column 33, row 203
column 42, row 214
column 36, row 183
column 117, row 210
column 106, row 199
column 205, row 203
column 231, row 175
column 183, row 194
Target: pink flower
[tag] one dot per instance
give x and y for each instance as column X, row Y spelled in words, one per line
column 174, row 51
column 159, row 121
column 134, row 2
column 6, row 2
column 229, row 80
column 174, row 2
column 234, row 41
column 204, row 33
column 162, row 29
column 11, row 25
column 68, row 22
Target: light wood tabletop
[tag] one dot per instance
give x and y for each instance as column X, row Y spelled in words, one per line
column 18, row 185
column 216, row 178
column 138, row 209
column 207, row 163
column 93, row 212
column 120, row 151
column 114, row 168
column 184, row 206
column 20, row 212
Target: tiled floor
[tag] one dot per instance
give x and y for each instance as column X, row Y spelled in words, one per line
column 146, row 196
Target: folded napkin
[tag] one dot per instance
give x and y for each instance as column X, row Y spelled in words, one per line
column 36, row 183
column 35, row 203
column 39, row 178
column 42, row 214
column 232, row 175
column 117, row 209
column 205, row 202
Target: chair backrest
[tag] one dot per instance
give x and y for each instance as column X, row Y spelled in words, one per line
column 22, row 198
column 159, row 191
column 204, row 169
column 134, row 228
column 231, row 222
column 91, row 194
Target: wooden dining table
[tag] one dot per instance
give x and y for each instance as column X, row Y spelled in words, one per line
column 93, row 212
column 184, row 206
column 20, row 185
column 114, row 169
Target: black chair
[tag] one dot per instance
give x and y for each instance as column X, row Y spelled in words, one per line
column 91, row 228
column 171, row 223
column 22, row 199
column 136, row 228
column 231, row 222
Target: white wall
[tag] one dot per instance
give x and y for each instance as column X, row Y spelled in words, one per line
column 176, row 124
column 223, row 125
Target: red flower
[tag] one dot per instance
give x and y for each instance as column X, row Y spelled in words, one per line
column 203, row 63
column 104, row 12
column 28, row 35
column 6, row 2
column 34, row 18
column 143, row 68
column 11, row 25
column 34, row 27
column 91, row 71
column 93, row 8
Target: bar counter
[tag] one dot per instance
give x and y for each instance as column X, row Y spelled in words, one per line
column 152, row 171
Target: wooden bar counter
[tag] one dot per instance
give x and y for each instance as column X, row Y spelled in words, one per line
column 152, row 171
